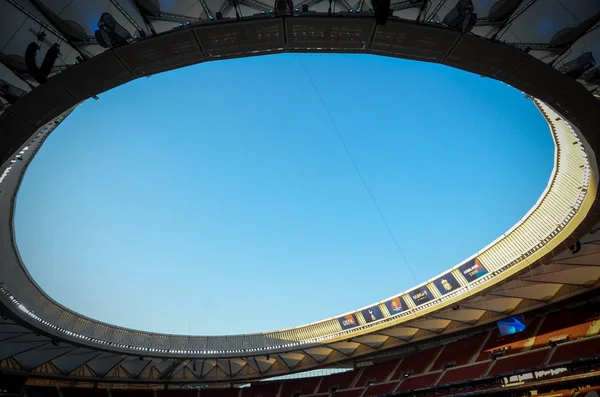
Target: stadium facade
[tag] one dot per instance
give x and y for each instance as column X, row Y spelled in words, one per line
column 51, row 61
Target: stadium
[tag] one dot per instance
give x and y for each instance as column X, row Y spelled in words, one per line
column 519, row 317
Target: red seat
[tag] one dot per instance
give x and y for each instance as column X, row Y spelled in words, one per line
column 84, row 392
column 304, row 386
column 574, row 350
column 42, row 391
column 264, row 389
column 380, row 389
column 160, row 393
column 342, row 381
column 513, row 363
column 459, row 352
column 573, row 322
column 232, row 392
column 377, row 373
column 418, row 382
column 349, row 393
column 461, row 374
column 515, row 342
column 417, row 362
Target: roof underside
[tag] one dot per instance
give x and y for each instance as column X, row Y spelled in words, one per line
column 22, row 350
column 554, row 31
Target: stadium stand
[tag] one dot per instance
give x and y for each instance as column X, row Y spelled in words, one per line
column 419, row 382
column 590, row 391
column 464, row 373
column 574, row 323
column 303, row 386
column 340, row 381
column 217, row 393
column 349, row 393
column 517, row 362
column 380, row 390
column 515, row 343
column 42, row 391
column 264, row 389
column 460, row 352
column 570, row 351
column 418, row 372
column 74, row 392
column 376, row 373
column 417, row 363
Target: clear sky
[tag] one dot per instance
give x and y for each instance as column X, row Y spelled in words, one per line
column 219, row 198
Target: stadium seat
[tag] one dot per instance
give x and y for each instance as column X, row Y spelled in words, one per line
column 578, row 349
column 575, row 323
column 516, row 342
column 232, row 392
column 419, row 382
column 305, row 386
column 79, row 392
column 41, row 391
column 342, row 381
column 349, row 393
column 517, row 362
column 381, row 389
column 464, row 373
column 133, row 393
column 417, row 363
column 460, row 352
column 262, row 389
column 377, row 373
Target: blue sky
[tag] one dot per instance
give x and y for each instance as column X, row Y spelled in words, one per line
column 219, row 199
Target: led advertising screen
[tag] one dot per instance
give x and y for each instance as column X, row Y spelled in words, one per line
column 421, row 295
column 446, row 283
column 395, row 305
column 372, row 314
column 511, row 325
column 348, row 321
column 472, row 270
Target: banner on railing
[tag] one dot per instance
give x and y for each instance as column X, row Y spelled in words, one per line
column 446, row 283
column 472, row 270
column 421, row 295
column 395, row 305
column 348, row 321
column 535, row 376
column 372, row 314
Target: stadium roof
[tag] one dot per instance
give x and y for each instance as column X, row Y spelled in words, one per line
column 536, row 263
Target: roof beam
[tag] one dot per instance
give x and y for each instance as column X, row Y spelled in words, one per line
column 595, row 26
column 144, row 17
column 510, row 19
column 55, row 30
column 423, row 11
column 256, row 4
column 406, row 4
column 436, row 9
column 205, row 7
column 128, row 17
column 168, row 17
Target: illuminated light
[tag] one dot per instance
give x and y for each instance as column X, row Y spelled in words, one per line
column 358, row 10
column 180, row 25
column 431, row 21
column 351, row 10
column 211, row 18
column 297, row 9
column 136, row 37
column 263, row 12
column 188, row 23
column 270, row 11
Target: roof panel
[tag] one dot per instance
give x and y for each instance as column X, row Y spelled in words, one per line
column 541, row 22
